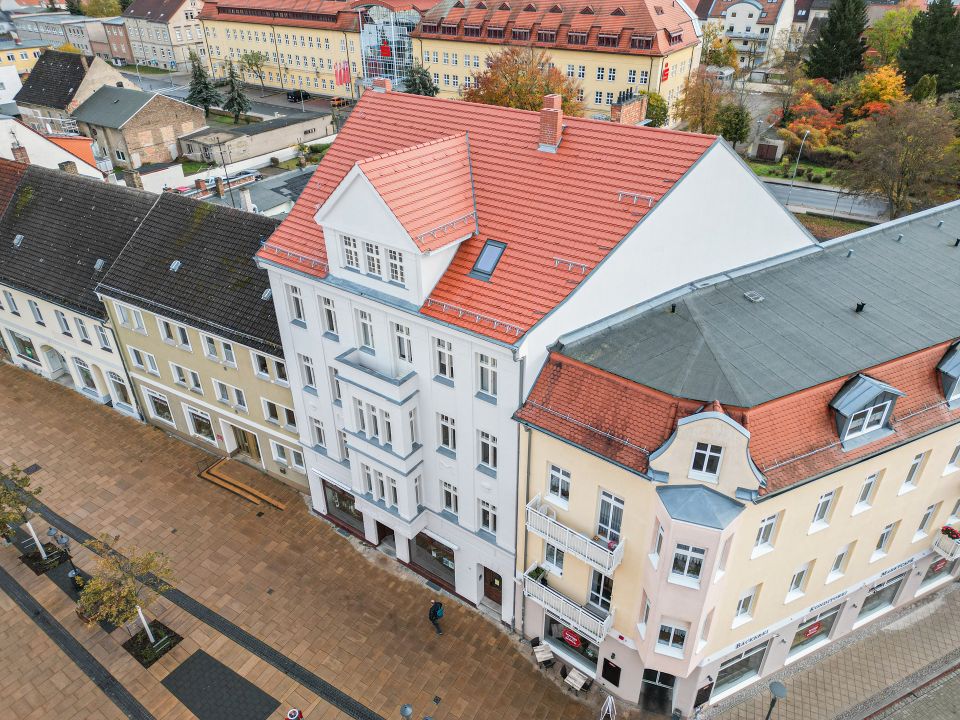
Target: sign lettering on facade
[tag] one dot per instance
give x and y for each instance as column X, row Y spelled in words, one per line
column 827, row 602
column 904, row 564
column 752, row 638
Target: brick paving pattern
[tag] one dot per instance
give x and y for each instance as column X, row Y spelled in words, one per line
column 213, row 691
column 347, row 614
column 938, row 701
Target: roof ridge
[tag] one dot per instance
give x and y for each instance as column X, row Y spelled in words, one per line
column 619, row 379
column 410, row 148
column 717, row 354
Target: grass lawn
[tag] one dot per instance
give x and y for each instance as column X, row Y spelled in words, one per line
column 776, row 170
column 225, row 120
column 824, row 228
column 191, row 167
column 290, row 164
column 144, row 70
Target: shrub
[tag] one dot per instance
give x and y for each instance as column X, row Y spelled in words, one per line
column 816, row 179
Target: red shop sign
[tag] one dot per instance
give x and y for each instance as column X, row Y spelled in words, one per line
column 571, row 638
column 665, row 75
column 813, row 629
column 938, row 565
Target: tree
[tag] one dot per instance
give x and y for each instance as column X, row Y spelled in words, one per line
column 124, row 4
column 75, row 7
column 903, row 155
column 253, row 62
column 925, row 89
column 119, row 588
column 717, row 48
column 101, row 8
column 417, row 81
column 16, row 498
column 733, row 123
column 658, row 111
column 202, row 92
column 70, row 48
column 838, row 50
column 236, row 101
column 890, row 33
column 884, row 85
column 699, row 102
column 934, row 47
column 520, row 77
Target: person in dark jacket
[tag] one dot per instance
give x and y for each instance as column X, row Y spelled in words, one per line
column 436, row 612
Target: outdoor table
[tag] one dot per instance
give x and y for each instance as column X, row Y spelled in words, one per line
column 576, row 679
column 543, row 653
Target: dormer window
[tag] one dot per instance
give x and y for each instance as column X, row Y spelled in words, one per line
column 706, row 462
column 487, row 259
column 577, row 38
column 351, row 253
column 863, row 410
column 949, row 369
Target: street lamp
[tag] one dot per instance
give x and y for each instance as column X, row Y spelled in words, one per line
column 797, row 165
column 779, row 692
column 406, row 710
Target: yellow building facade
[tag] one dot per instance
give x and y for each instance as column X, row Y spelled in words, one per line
column 22, row 55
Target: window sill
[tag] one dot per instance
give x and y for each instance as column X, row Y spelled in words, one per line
column 488, row 471
column 703, row 476
column 552, row 569
column 299, row 323
column 761, row 550
column 683, row 581
column 311, row 390
column 860, row 508
column 817, row 527
column 950, row 469
column 447, row 452
column 262, row 376
column 904, row 489
column 367, row 350
column 919, row 535
column 486, row 398
column 741, row 620
column 642, row 630
column 331, row 336
column 86, row 342
column 654, row 560
column 793, row 595
column 66, row 334
column 833, row 577
column 557, row 502
column 443, row 380
column 282, row 383
column 668, row 651
column 877, row 555
column 196, row 391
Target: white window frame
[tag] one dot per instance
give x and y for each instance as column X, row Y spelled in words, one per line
column 926, row 522
column 210, row 348
column 559, row 479
column 447, row 433
column 82, row 330
column 839, row 566
column 798, row 583
column 745, row 606
column 295, row 304
column 954, row 463
column 351, row 252
column 308, row 371
column 688, row 554
column 870, row 420
column 318, row 433
column 487, row 374
column 365, row 334
column 443, row 357
column 255, row 357
column 766, row 533
column 395, row 266
column 449, row 497
column 35, row 311
column 487, row 453
column 328, row 315
column 822, row 512
column 884, row 540
column 63, row 323
column 152, row 395
column 675, row 642
column 910, row 482
column 868, row 491
column 403, row 345
column 487, row 516
column 703, row 454
column 553, row 558
column 192, row 430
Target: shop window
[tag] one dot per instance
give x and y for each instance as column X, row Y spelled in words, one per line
column 814, row 630
column 881, row 596
column 741, row 667
column 568, row 640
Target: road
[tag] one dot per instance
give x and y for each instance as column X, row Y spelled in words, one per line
column 828, row 200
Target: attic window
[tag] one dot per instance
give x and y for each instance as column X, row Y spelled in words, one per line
column 175, row 265
column 607, row 40
column 546, row 36
column 676, row 37
column 471, row 31
column 496, row 33
column 487, row 259
column 98, row 265
column 18, row 241
column 618, row 11
column 504, row 6
column 588, row 10
column 267, row 294
column 530, row 7
column 458, row 4
column 863, row 409
column 556, row 9
column 641, row 42
column 949, row 369
column 519, row 34
column 429, row 28
column 658, row 10
column 577, row 38
column 481, row 5
column 446, row 29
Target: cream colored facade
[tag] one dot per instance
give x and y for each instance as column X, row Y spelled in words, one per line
column 298, row 58
column 250, row 425
column 22, row 56
column 729, row 640
column 602, row 75
column 167, row 43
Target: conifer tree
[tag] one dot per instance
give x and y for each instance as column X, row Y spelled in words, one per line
column 934, row 47
column 202, row 92
column 838, row 50
column 417, row 81
column 236, row 101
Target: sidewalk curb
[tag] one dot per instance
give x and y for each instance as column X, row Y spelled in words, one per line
column 890, row 709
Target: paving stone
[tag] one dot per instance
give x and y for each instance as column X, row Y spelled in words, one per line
column 213, row 691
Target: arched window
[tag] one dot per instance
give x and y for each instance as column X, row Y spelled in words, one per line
column 120, row 391
column 86, row 377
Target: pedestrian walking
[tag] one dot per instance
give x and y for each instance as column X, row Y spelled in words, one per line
column 436, row 612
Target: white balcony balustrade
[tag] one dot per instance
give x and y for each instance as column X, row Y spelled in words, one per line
column 603, row 556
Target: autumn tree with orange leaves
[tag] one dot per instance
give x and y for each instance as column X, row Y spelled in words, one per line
column 520, row 77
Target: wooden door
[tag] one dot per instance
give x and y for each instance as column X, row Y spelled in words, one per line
column 492, row 586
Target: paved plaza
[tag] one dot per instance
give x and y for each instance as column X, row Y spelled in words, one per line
column 308, row 617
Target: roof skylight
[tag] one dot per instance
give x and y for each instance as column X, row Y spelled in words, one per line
column 487, row 259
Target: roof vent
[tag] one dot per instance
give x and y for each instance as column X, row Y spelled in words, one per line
column 267, row 294
column 861, row 306
column 588, row 10
column 850, row 253
column 175, row 265
column 900, row 237
column 18, row 241
column 957, row 243
column 98, row 265
column 940, row 224
column 753, row 296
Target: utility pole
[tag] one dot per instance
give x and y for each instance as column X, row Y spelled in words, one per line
column 226, row 173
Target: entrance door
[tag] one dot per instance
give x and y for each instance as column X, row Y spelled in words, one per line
column 492, row 586
column 57, row 365
column 383, row 532
column 657, row 691
column 246, row 443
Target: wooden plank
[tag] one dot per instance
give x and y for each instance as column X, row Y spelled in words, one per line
column 206, row 475
column 219, row 473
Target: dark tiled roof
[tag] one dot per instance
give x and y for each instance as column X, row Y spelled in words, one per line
column 68, row 222
column 218, row 287
column 157, row 10
column 54, row 80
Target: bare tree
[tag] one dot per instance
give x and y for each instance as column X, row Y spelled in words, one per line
column 905, row 156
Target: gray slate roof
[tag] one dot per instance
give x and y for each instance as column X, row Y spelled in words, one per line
column 68, row 222
column 111, row 106
column 718, row 345
column 699, row 505
column 271, row 191
column 54, row 80
column 248, row 129
column 218, row 287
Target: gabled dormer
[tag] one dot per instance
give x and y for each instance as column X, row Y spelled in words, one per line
column 949, row 370
column 395, row 221
column 863, row 409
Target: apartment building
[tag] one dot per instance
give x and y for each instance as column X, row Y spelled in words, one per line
column 49, row 27
column 162, row 33
column 415, row 303
column 21, row 54
column 610, row 48
column 57, row 247
column 316, row 48
column 195, row 323
column 118, row 41
column 729, row 478
column 754, row 27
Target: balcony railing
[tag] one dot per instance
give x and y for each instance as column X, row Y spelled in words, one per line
column 571, row 614
column 747, row 36
column 946, row 547
column 598, row 555
column 355, row 367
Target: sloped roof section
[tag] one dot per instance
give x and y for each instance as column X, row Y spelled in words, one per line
column 699, row 505
column 54, row 80
column 78, row 146
column 217, row 287
column 68, row 222
column 112, row 106
column 429, row 188
column 568, row 204
column 156, row 10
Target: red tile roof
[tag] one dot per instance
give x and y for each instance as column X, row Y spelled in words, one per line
column 653, row 19
column 319, row 14
column 80, row 147
column 569, row 204
column 604, row 414
column 792, row 438
column 429, row 188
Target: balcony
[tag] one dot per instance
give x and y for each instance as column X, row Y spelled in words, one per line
column 586, row 622
column 946, row 547
column 747, row 36
column 598, row 555
column 355, row 367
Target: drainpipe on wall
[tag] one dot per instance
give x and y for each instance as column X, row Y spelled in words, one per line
column 526, row 492
column 346, row 47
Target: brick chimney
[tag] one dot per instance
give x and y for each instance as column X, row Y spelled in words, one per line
column 631, row 111
column 20, row 154
column 382, row 85
column 132, row 179
column 200, row 184
column 68, row 166
column 219, row 182
column 551, row 123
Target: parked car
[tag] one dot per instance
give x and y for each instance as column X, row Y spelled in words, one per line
column 297, row 96
column 340, row 102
